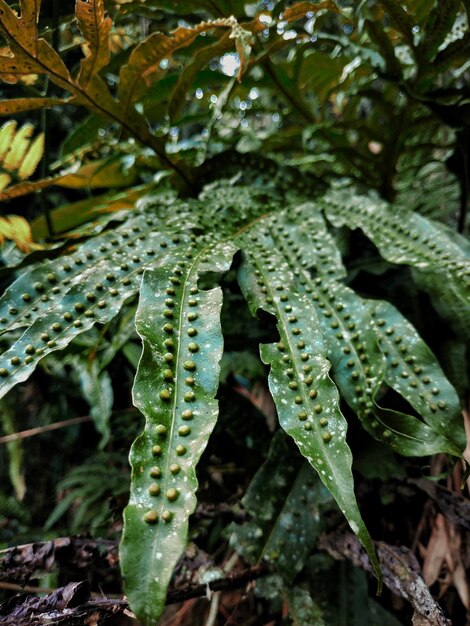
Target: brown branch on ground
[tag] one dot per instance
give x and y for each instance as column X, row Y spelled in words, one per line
column 400, row 570
column 72, row 605
column 20, row 563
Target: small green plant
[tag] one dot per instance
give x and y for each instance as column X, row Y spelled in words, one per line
column 283, row 229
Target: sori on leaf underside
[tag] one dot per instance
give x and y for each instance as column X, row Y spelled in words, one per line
column 334, row 345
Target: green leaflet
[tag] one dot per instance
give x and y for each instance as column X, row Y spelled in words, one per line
column 175, row 388
column 359, row 370
column 409, row 238
column 283, row 499
column 305, row 241
column 97, row 390
column 401, row 236
column 358, row 365
column 42, row 287
column 104, row 273
column 440, row 22
column 303, row 610
column 305, row 396
column 446, row 296
column 415, row 373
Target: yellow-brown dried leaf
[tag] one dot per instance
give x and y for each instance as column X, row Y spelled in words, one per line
column 17, row 229
column 144, row 61
column 95, row 28
column 20, row 105
column 18, row 155
column 18, row 148
column 300, row 9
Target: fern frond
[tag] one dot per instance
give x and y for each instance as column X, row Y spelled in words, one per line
column 404, row 237
column 56, row 301
column 175, row 388
column 414, row 372
column 359, row 371
column 284, row 493
column 292, row 269
column 305, row 396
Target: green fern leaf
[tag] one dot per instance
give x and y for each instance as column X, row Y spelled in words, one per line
column 68, row 297
column 440, row 22
column 455, row 53
column 413, row 371
column 359, row 370
column 305, row 396
column 408, row 238
column 358, row 365
column 175, row 388
column 284, row 493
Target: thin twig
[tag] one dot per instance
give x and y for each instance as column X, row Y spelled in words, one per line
column 24, row 588
column 38, row 430
column 180, row 594
column 233, row 581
